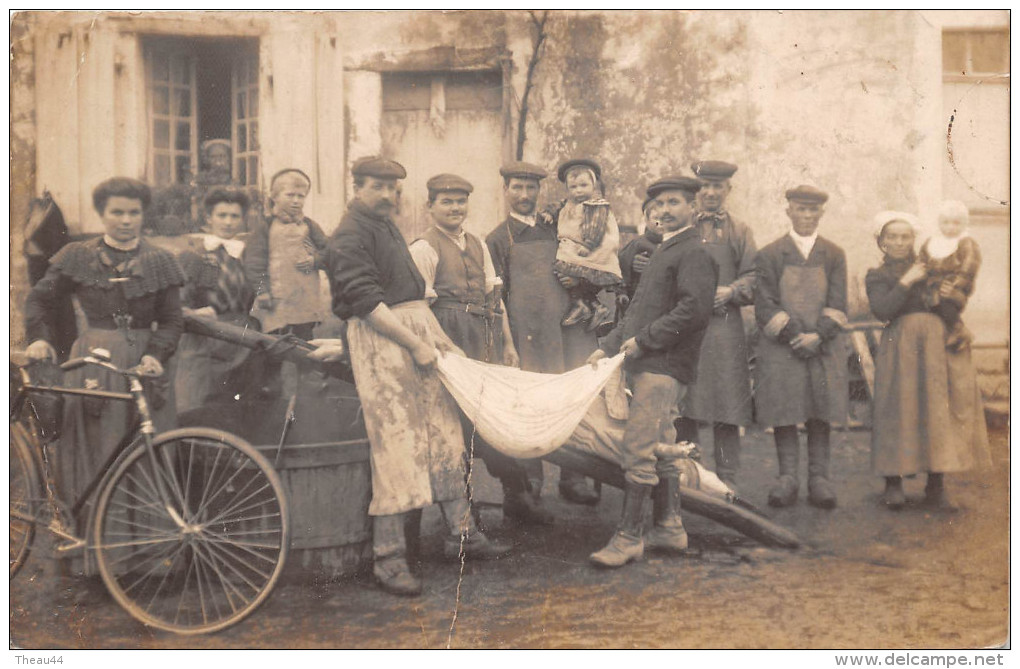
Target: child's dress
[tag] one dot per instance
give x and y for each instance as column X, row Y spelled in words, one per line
column 589, row 226
column 959, row 268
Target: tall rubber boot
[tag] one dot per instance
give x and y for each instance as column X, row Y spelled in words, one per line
column 820, row 490
column 784, row 493
column 465, row 537
column 626, row 545
column 727, row 452
column 668, row 533
column 390, row 551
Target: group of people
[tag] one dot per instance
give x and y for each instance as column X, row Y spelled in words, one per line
column 528, row 295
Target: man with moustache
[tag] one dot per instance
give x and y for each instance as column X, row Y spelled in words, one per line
column 466, row 297
column 801, row 371
column 413, row 425
column 661, row 336
column 722, row 394
column 523, row 249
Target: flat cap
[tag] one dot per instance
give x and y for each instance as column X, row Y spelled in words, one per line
column 445, row 182
column 378, row 167
column 807, row 194
column 713, row 170
column 561, row 171
column 522, row 170
column 686, row 184
column 644, row 205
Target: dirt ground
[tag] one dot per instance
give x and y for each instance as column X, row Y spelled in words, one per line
column 867, row 578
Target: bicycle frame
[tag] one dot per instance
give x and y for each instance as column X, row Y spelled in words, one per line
column 141, row 426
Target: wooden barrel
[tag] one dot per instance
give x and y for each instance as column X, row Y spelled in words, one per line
column 324, row 466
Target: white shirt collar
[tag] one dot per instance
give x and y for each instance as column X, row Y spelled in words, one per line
column 804, row 244
column 234, row 247
column 121, row 246
column 460, row 239
column 666, row 236
column 526, row 220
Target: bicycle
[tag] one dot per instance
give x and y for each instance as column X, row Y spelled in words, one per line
column 189, row 529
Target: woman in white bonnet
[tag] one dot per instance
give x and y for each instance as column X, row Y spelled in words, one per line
column 927, row 412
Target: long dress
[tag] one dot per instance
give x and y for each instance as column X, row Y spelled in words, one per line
column 210, row 370
column 927, row 413
column 131, row 302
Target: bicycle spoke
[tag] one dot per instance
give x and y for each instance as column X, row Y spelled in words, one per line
column 158, row 561
column 236, row 504
column 256, row 505
column 200, row 567
column 114, row 562
column 209, row 481
column 249, row 547
column 184, row 591
column 140, row 542
column 224, row 581
column 222, row 488
column 187, row 478
column 233, row 567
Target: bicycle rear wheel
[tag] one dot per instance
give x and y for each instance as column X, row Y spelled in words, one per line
column 24, row 496
column 217, row 566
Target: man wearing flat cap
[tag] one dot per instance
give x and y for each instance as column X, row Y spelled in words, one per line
column 466, row 296
column 801, row 370
column 722, row 394
column 413, row 425
column 523, row 249
column 661, row 336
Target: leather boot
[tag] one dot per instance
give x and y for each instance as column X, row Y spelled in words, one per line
column 686, row 430
column 520, row 506
column 578, row 314
column 390, row 566
column 935, row 493
column 668, row 533
column 626, row 545
column 820, row 490
column 574, row 488
column 412, row 538
column 784, row 493
column 893, row 497
column 465, row 537
column 727, row 453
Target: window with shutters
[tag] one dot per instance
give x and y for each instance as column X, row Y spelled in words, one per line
column 202, row 92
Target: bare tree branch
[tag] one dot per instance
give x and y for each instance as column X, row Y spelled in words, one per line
column 537, row 42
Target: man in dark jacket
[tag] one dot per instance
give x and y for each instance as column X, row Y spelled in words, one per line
column 661, row 336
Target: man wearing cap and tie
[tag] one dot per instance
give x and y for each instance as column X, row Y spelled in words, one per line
column 523, row 249
column 801, row 369
column 413, row 425
column 661, row 335
column 464, row 292
column 722, row 394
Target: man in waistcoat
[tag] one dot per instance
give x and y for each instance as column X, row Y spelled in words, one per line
column 465, row 295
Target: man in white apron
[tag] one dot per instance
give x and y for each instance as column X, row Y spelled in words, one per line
column 523, row 250
column 801, row 370
column 413, row 425
column 722, row 394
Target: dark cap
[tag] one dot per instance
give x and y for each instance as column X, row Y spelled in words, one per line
column 378, row 167
column 561, row 171
column 644, row 205
column 713, row 170
column 522, row 170
column 687, row 184
column 448, row 182
column 807, row 195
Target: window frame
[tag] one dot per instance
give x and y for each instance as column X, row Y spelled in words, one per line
column 151, row 53
column 971, row 75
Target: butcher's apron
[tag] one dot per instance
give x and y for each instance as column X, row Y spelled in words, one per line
column 414, row 431
column 791, row 390
column 537, row 302
column 722, row 392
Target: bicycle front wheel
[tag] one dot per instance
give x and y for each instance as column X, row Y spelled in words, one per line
column 218, row 559
column 24, row 496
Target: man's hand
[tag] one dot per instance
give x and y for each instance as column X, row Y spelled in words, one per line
column 327, row 350
column 445, row 346
column 806, row 344
column 424, row 355
column 40, row 349
column 723, row 295
column 264, row 302
column 595, row 356
column 510, row 357
column 207, row 312
column 946, row 288
column 306, row 264
column 567, row 282
column 150, row 366
column 630, row 348
column 640, row 263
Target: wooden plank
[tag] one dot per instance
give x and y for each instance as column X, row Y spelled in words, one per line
column 860, row 343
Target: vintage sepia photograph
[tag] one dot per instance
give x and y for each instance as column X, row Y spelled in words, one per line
column 511, row 329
